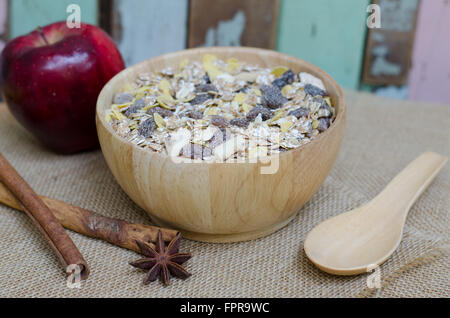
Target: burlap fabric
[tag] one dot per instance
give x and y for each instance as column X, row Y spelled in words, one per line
column 382, row 137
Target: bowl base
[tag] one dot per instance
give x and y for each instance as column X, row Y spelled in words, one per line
column 227, row 238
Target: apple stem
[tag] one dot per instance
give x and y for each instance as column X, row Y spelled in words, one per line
column 41, row 33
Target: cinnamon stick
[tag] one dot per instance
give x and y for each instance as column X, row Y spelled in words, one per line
column 43, row 218
column 91, row 224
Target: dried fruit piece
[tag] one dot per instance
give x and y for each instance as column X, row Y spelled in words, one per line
column 200, row 99
column 195, row 151
column 247, row 76
column 323, row 124
column 286, row 78
column 206, row 79
column 219, row 121
column 258, row 109
column 147, row 128
column 159, row 121
column 161, row 111
column 272, row 96
column 286, row 89
column 137, row 105
column 211, row 111
column 205, row 88
column 240, row 98
column 118, row 114
column 194, row 114
column 279, row 70
column 220, row 135
column 314, row 90
column 299, row 112
column 208, row 64
column 239, row 122
column 123, row 98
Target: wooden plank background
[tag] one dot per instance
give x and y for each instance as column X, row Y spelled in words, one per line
column 327, row 33
column 233, row 23
column 26, row 15
column 3, row 23
column 389, row 48
column 148, row 28
column 429, row 79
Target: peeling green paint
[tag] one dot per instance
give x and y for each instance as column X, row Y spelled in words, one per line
column 327, row 33
column 26, row 15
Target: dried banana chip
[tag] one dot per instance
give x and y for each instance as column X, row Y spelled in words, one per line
column 240, row 97
column 279, row 70
column 159, row 121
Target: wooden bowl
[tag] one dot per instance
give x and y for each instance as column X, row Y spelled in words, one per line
column 220, row 202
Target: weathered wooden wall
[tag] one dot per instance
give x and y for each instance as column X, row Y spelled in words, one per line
column 148, row 28
column 3, row 23
column 327, row 33
column 233, row 23
column 429, row 79
column 388, row 49
column 27, row 14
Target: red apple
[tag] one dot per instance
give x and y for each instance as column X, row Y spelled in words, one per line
column 52, row 78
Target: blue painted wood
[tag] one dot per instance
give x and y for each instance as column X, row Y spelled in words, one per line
column 26, row 15
column 327, row 33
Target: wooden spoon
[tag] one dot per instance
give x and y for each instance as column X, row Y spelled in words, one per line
column 356, row 241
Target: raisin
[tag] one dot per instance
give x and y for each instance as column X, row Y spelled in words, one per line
column 205, row 88
column 286, row 78
column 160, row 110
column 239, row 122
column 314, row 90
column 258, row 109
column 220, row 136
column 147, row 127
column 123, row 98
column 195, row 151
column 324, row 123
column 299, row 112
column 219, row 121
column 194, row 114
column 206, row 79
column 272, row 96
column 135, row 107
column 200, row 99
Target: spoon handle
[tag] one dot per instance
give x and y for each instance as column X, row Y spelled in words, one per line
column 401, row 193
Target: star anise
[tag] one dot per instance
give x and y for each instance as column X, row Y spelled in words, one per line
column 163, row 261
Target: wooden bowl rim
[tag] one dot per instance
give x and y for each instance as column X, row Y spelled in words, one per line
column 324, row 76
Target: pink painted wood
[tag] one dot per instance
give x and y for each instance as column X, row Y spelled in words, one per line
column 429, row 78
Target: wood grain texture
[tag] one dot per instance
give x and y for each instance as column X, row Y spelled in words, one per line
column 26, row 15
column 356, row 241
column 388, row 49
column 326, row 33
column 429, row 78
column 233, row 23
column 220, row 202
column 148, row 28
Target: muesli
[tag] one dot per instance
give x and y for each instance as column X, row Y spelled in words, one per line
column 221, row 110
